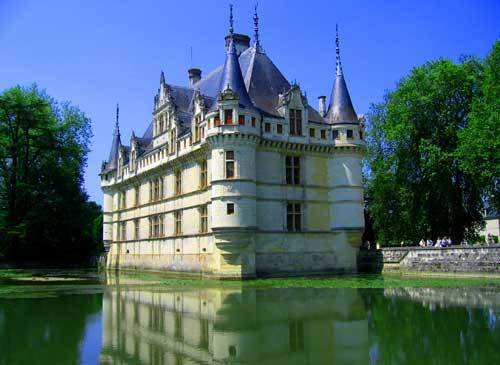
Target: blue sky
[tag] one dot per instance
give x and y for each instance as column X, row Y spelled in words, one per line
column 95, row 53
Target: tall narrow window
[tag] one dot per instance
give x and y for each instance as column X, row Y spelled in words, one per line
column 335, row 134
column 241, row 119
column 253, row 121
column 228, row 116
column 349, row 134
column 296, row 335
column 161, row 187
column 217, row 120
column 295, row 122
column 360, row 134
column 151, row 191
column 123, row 231
column 230, row 208
column 123, row 200
column 151, row 227
column 137, row 192
column 197, row 134
column 203, row 219
column 279, row 128
column 156, row 190
column 323, row 134
column 160, row 225
column 178, row 182
column 312, row 132
column 178, row 222
column 292, row 167
column 203, row 174
column 136, row 229
column 229, row 164
column 293, row 217
column 267, row 127
column 172, row 141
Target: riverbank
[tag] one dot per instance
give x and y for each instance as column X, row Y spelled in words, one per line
column 462, row 261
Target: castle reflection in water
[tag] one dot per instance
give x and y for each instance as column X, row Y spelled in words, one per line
column 234, row 325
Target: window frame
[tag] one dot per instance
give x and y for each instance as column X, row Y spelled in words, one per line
column 295, row 116
column 178, row 222
column 230, row 209
column 229, row 161
column 203, row 174
column 203, row 219
column 293, row 170
column 294, row 221
column 178, row 182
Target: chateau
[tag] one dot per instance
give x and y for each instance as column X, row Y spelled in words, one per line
column 238, row 176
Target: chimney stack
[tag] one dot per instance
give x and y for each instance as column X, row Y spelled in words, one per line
column 194, row 75
column 241, row 42
column 322, row 105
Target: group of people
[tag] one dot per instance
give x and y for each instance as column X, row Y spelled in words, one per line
column 440, row 242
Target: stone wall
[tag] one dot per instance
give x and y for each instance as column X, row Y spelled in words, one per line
column 453, row 260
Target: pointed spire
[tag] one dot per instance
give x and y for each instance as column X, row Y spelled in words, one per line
column 116, row 144
column 231, row 29
column 256, row 28
column 162, row 77
column 232, row 77
column 340, row 109
column 117, row 124
column 338, row 65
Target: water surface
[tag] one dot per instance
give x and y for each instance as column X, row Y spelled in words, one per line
column 123, row 320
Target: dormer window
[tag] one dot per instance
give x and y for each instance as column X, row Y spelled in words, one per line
column 197, row 129
column 295, row 122
column 228, row 116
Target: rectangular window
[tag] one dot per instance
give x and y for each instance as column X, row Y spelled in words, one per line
column 203, row 174
column 335, row 134
column 360, row 134
column 267, row 127
column 203, row 219
column 253, row 121
column 295, row 122
column 293, row 217
column 230, row 208
column 178, row 182
column 296, row 335
column 228, row 116
column 217, row 120
column 229, row 164
column 150, row 191
column 323, row 134
column 123, row 231
column 156, row 190
column 123, row 200
column 137, row 195
column 292, row 167
column 197, row 128
column 279, row 128
column 136, row 229
column 349, row 134
column 312, row 132
column 241, row 119
column 172, row 141
column 178, row 222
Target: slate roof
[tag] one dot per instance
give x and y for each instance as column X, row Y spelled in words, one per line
column 258, row 82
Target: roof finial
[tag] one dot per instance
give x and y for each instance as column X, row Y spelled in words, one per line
column 231, row 30
column 117, row 126
column 337, row 50
column 162, row 77
column 256, row 27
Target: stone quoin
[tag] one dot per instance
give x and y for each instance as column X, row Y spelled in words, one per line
column 238, row 176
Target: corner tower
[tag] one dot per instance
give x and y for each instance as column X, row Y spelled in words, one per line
column 345, row 168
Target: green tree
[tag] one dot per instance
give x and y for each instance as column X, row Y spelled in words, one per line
column 44, row 212
column 479, row 149
column 416, row 187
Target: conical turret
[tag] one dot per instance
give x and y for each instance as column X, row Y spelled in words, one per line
column 231, row 77
column 115, row 145
column 340, row 110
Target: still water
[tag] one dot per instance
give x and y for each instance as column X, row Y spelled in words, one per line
column 132, row 322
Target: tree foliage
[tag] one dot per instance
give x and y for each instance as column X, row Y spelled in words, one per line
column 417, row 187
column 44, row 212
column 479, row 147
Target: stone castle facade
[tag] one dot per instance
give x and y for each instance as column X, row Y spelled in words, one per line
column 238, row 176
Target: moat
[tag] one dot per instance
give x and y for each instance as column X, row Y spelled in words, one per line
column 86, row 318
